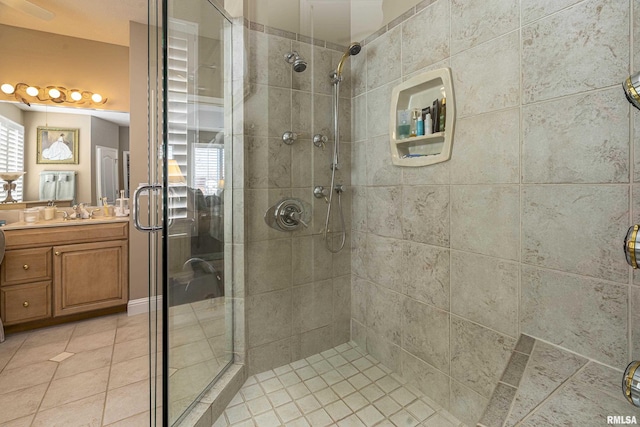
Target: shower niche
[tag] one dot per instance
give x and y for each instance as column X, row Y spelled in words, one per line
column 423, row 93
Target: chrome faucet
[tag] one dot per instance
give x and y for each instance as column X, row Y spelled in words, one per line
column 81, row 212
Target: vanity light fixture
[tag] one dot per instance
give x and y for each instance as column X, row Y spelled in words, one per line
column 55, row 94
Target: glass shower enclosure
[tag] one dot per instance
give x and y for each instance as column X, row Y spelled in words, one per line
column 189, row 153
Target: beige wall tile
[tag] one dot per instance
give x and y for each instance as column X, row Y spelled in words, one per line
column 428, row 343
column 388, row 353
column 384, row 59
column 476, row 21
column 427, row 379
column 556, row 218
column 312, row 306
column 594, row 325
column 466, row 405
column 482, row 86
column 478, row 355
column 266, row 54
column 577, row 143
column 423, row 45
column 586, row 62
column 493, row 231
column 426, row 274
column 384, row 211
column 263, row 275
column 487, row 149
column 485, row 291
column 384, row 314
column 269, row 356
column 426, row 216
column 269, row 317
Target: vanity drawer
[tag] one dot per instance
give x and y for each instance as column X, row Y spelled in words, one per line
column 26, row 265
column 24, row 303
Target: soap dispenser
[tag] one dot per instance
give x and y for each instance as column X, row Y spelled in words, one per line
column 122, row 205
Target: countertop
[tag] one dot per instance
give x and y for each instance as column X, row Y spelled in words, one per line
column 58, row 222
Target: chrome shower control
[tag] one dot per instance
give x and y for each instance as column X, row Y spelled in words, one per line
column 631, row 383
column 289, row 137
column 320, row 192
column 320, row 140
column 288, row 215
column 632, row 246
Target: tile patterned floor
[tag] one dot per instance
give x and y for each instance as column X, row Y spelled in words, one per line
column 340, row 387
column 88, row 373
column 198, row 350
column 95, row 372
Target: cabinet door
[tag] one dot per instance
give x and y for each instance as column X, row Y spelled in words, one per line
column 24, row 303
column 90, row 276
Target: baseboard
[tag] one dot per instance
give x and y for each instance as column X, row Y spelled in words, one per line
column 141, row 305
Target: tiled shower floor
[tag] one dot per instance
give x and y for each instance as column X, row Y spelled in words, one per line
column 339, row 387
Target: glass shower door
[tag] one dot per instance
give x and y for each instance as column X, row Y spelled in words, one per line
column 197, row 322
column 189, row 156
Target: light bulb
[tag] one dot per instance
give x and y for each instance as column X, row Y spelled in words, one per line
column 54, row 93
column 7, row 88
column 96, row 97
column 76, row 96
column 32, row 91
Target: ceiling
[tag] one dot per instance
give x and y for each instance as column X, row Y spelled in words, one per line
column 99, row 20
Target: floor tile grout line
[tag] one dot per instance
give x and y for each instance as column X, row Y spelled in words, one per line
column 35, row 414
column 106, row 392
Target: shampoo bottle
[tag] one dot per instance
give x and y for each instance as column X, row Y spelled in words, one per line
column 443, row 114
column 414, row 122
column 403, row 124
column 419, row 124
column 427, row 124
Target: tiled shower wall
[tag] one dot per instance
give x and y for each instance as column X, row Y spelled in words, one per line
column 297, row 292
column 521, row 231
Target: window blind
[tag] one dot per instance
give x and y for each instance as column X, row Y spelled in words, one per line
column 11, row 154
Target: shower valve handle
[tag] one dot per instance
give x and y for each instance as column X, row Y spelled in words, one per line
column 296, row 216
column 320, row 140
column 289, row 137
column 321, row 192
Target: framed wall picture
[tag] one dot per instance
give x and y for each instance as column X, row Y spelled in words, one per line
column 57, row 146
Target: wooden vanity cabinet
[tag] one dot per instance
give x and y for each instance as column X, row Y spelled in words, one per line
column 50, row 273
column 89, row 276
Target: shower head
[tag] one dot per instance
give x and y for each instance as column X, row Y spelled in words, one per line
column 293, row 58
column 631, row 88
column 353, row 49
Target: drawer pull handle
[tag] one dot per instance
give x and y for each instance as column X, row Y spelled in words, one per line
column 26, row 266
column 57, row 253
column 25, row 304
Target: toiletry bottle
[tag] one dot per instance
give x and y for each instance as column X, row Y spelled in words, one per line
column 419, row 124
column 427, row 124
column 414, row 122
column 403, row 124
column 443, row 114
column 435, row 116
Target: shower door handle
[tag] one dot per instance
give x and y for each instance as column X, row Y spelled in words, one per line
column 136, row 207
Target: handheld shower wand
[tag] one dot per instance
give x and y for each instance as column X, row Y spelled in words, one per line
column 336, row 77
column 353, row 49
